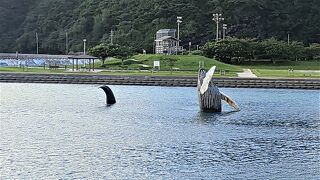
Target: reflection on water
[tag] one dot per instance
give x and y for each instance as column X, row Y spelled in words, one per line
column 67, row 131
column 206, row 117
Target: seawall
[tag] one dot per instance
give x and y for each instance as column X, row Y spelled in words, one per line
column 158, row 81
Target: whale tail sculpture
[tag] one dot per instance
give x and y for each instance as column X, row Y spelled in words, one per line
column 208, row 92
column 110, row 96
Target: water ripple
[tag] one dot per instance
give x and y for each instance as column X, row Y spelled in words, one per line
column 66, row 132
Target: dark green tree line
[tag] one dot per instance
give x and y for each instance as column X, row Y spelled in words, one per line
column 234, row 50
column 135, row 22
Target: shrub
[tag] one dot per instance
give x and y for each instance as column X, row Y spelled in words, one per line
column 209, row 49
column 230, row 50
column 274, row 50
column 197, row 52
column 312, row 52
column 235, row 50
column 111, row 50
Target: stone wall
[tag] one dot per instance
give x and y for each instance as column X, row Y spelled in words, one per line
column 158, row 81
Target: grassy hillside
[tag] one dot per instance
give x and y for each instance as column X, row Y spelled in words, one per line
column 184, row 63
column 187, row 65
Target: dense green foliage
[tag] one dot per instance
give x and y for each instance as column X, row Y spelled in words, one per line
column 111, row 50
column 234, row 50
column 135, row 21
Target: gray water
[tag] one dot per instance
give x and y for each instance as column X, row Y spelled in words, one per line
column 67, row 132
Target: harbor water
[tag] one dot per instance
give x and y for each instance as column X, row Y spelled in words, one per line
column 51, row 131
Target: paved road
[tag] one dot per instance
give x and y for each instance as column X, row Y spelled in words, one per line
column 247, row 73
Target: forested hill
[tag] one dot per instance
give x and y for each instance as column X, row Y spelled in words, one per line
column 135, row 21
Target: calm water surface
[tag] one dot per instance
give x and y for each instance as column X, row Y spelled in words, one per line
column 67, row 132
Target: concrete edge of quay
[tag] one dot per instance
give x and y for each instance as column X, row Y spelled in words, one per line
column 169, row 81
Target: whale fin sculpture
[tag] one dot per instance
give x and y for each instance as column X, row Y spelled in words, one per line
column 229, row 101
column 207, row 79
column 110, row 96
column 208, row 92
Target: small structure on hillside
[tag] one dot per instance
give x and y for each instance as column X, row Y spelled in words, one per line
column 166, row 42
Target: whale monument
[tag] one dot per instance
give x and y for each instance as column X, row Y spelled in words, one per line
column 208, row 92
column 209, row 95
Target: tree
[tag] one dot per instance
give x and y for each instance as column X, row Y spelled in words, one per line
column 170, row 60
column 100, row 51
column 111, row 50
column 122, row 52
column 237, row 50
column 312, row 52
column 134, row 22
column 230, row 50
column 275, row 50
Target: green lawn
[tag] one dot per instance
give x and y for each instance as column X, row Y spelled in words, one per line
column 280, row 69
column 296, row 65
column 162, row 73
column 30, row 70
column 187, row 65
column 285, row 73
column 184, row 63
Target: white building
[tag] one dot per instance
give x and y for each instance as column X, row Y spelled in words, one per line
column 166, row 41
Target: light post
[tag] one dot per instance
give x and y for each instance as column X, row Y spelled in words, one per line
column 111, row 37
column 37, row 39
column 217, row 18
column 179, row 20
column 84, row 46
column 225, row 27
column 67, row 44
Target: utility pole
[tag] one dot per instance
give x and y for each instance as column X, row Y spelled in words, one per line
column 225, row 27
column 179, row 20
column 217, row 18
column 67, row 42
column 111, row 36
column 288, row 38
column 37, row 40
column 84, row 46
column 154, row 44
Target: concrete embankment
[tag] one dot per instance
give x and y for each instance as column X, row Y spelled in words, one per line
column 158, row 81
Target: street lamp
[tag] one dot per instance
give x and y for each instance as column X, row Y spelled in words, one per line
column 179, row 20
column 84, row 46
column 67, row 43
column 111, row 36
column 225, row 27
column 217, row 18
column 37, row 41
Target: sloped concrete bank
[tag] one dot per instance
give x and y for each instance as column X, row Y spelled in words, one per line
column 158, row 81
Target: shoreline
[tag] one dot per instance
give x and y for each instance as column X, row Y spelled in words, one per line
column 168, row 81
